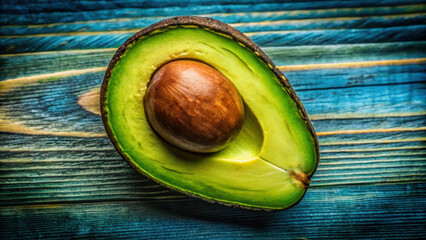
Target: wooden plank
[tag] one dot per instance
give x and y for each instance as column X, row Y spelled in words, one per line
column 369, row 211
column 73, row 169
column 90, row 40
column 25, row 14
column 81, row 164
column 13, row 142
column 363, row 100
column 371, row 138
column 333, row 23
column 301, row 74
column 341, row 53
column 365, row 123
column 252, row 26
column 18, row 142
column 23, row 142
column 51, row 106
column 411, row 171
column 60, row 182
column 342, row 75
column 338, row 36
column 67, row 115
column 27, row 64
column 31, row 6
column 48, row 62
column 139, row 22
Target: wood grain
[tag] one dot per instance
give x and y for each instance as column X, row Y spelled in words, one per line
column 90, row 101
column 358, row 67
column 115, row 11
column 133, row 25
column 380, row 211
column 27, row 64
column 391, row 63
column 74, row 169
column 320, row 100
column 69, row 41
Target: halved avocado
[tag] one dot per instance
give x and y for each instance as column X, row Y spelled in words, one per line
column 268, row 166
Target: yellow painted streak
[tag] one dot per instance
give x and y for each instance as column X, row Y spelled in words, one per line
column 268, row 13
column 261, row 23
column 377, row 173
column 341, row 132
column 371, row 161
column 54, row 149
column 97, row 50
column 373, row 155
column 73, row 34
column 10, row 126
column 361, row 116
column 90, row 101
column 9, row 84
column 374, row 141
column 373, row 166
column 269, row 23
column 372, row 149
column 107, row 149
column 306, row 67
column 72, row 23
column 81, row 177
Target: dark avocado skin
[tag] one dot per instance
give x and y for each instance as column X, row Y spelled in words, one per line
column 236, row 35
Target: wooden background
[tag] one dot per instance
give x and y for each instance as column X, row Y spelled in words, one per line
column 358, row 66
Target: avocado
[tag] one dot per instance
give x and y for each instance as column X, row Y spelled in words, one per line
column 193, row 106
column 266, row 160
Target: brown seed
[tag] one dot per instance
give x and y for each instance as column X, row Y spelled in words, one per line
column 193, row 106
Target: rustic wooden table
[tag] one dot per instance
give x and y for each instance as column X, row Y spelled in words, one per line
column 358, row 66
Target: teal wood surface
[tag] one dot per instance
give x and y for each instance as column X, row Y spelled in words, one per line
column 359, row 68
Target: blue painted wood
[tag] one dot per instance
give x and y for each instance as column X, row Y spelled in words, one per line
column 263, row 39
column 313, row 19
column 14, row 14
column 14, row 142
column 340, row 36
column 366, row 212
column 353, row 77
column 53, row 104
column 20, row 65
column 65, row 180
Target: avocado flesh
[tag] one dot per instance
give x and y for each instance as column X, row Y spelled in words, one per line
column 257, row 169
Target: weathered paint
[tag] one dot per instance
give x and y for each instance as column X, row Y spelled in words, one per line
column 357, row 66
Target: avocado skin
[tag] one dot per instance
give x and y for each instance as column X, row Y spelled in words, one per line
column 216, row 26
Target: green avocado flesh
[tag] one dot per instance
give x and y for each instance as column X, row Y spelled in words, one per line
column 259, row 168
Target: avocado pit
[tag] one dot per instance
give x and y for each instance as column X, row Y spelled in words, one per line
column 193, row 106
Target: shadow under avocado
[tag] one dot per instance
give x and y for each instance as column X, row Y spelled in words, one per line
column 201, row 210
